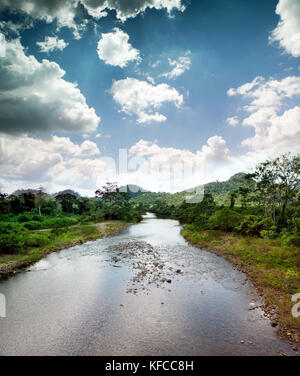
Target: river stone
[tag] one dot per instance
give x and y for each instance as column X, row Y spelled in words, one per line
column 252, row 306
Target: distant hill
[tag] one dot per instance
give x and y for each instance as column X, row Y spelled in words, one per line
column 133, row 190
column 67, row 191
column 232, row 183
column 19, row 192
column 240, row 176
column 219, row 189
column 152, row 197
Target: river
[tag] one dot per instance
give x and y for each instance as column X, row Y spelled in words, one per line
column 145, row 291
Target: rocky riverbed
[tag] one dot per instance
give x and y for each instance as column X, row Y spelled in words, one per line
column 148, row 265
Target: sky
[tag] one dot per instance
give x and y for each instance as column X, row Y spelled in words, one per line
column 165, row 94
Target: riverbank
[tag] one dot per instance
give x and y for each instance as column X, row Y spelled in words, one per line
column 273, row 269
column 63, row 238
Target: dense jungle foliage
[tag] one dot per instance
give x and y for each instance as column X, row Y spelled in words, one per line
column 26, row 215
column 265, row 203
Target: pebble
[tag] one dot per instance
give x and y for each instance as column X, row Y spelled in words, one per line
column 252, row 306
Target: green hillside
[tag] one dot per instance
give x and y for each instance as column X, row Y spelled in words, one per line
column 133, row 190
column 219, row 190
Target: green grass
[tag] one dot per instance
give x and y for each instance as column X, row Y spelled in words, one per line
column 59, row 238
column 51, row 223
column 273, row 267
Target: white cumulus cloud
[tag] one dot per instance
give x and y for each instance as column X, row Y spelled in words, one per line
column 172, row 169
column 130, row 8
column 34, row 97
column 114, row 49
column 28, row 158
column 51, row 44
column 181, row 65
column 287, row 32
column 143, row 99
column 61, row 11
column 233, row 121
column 58, row 163
column 273, row 112
column 67, row 13
column 26, row 162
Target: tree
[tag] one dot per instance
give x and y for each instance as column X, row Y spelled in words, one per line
column 277, row 183
column 115, row 203
column 233, row 196
column 244, row 193
column 15, row 204
column 67, row 201
column 4, row 204
column 50, row 206
column 28, row 200
column 40, row 196
column 224, row 219
column 287, row 172
column 189, row 213
column 84, row 205
column 107, row 190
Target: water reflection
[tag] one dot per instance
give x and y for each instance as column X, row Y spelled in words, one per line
column 76, row 302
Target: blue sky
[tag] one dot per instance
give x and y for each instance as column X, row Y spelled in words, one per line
column 159, row 76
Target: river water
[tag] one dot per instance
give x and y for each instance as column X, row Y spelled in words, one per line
column 145, row 291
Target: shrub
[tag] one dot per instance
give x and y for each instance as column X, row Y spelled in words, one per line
column 36, row 240
column 6, row 217
column 38, row 218
column 62, row 222
column 56, row 232
column 253, row 225
column 224, row 219
column 59, row 222
column 13, row 237
column 271, row 233
column 99, row 215
column 8, row 227
column 296, row 225
column 23, row 218
column 290, row 240
column 249, row 225
column 33, row 225
column 51, row 223
column 201, row 222
column 87, row 219
column 132, row 216
column 88, row 230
